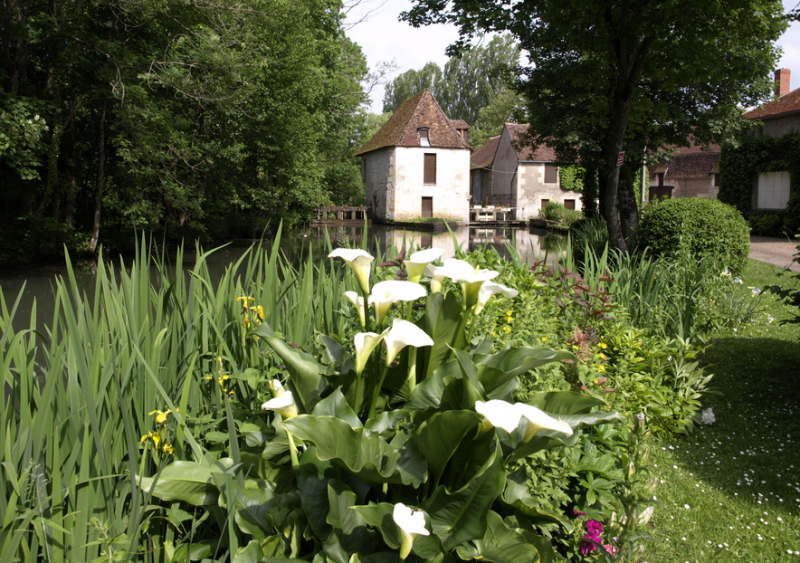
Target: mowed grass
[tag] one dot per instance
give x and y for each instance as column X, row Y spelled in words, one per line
column 730, row 491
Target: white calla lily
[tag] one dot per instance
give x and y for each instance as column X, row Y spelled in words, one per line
column 387, row 293
column 539, row 420
column 277, row 388
column 283, row 405
column 365, row 343
column 418, row 262
column 490, row 288
column 499, row 414
column 437, row 275
column 411, row 523
column 402, row 334
column 470, row 278
column 358, row 303
column 359, row 261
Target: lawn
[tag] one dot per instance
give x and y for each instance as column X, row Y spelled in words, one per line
column 731, row 490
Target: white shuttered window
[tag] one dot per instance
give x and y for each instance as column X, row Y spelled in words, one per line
column 773, row 190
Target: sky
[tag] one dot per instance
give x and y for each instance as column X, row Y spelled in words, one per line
column 384, row 39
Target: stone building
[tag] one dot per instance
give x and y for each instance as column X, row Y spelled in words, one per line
column 692, row 171
column 417, row 165
column 507, row 172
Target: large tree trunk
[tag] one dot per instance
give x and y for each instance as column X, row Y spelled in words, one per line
column 626, row 200
column 98, row 196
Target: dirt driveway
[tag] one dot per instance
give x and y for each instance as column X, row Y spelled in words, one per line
column 775, row 251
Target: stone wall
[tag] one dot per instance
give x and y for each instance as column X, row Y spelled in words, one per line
column 778, row 127
column 449, row 194
column 378, row 176
column 702, row 186
column 531, row 190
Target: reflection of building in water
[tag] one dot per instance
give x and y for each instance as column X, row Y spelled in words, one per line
column 395, row 237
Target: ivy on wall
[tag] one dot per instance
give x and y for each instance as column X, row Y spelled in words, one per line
column 739, row 170
column 571, row 177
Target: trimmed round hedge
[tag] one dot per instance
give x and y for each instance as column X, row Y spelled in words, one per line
column 709, row 228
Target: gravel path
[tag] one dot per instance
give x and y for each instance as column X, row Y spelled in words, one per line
column 775, row 251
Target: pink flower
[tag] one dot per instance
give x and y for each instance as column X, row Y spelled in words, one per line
column 588, row 546
column 591, row 540
column 578, row 513
column 611, row 549
column 594, row 528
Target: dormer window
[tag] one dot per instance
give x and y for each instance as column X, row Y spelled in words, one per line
column 424, row 141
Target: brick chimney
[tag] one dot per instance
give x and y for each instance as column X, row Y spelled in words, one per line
column 782, row 81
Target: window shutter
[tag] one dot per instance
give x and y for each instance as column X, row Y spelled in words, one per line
column 429, row 175
column 569, row 203
column 550, row 174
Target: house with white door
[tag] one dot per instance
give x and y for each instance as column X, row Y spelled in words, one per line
column 417, row 165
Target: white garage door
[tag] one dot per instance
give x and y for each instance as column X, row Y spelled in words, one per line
column 773, row 190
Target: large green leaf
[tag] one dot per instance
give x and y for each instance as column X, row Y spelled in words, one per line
column 365, row 454
column 387, row 420
column 185, row 481
column 498, row 372
column 348, row 525
column 336, row 405
column 517, row 495
column 438, row 437
column 565, row 402
column 461, row 516
column 500, row 544
column 306, row 378
column 441, row 321
column 249, row 554
column 448, row 388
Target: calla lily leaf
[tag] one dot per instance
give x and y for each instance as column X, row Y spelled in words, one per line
column 305, row 373
column 185, row 481
column 564, row 402
column 438, row 437
column 336, row 405
column 365, row 454
column 500, row 544
column 380, row 516
column 332, row 351
column 441, row 321
column 387, row 420
column 348, row 525
column 498, row 372
column 460, row 516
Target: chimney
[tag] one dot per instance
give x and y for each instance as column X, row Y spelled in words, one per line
column 782, row 81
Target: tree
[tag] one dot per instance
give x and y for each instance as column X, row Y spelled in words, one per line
column 470, row 82
column 616, row 75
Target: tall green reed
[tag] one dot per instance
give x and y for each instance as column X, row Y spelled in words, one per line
column 80, row 392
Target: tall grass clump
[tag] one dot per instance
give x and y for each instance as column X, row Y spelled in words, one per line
column 83, row 394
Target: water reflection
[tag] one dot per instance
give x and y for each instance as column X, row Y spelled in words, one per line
column 39, row 283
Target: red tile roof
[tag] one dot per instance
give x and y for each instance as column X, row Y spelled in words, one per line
column 484, row 156
column 542, row 153
column 785, row 104
column 402, row 129
column 459, row 124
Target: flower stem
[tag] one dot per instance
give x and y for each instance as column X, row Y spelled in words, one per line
column 292, row 451
column 376, row 391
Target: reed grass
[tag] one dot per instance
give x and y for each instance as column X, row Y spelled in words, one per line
column 79, row 392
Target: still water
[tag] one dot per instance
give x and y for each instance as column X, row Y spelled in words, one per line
column 37, row 284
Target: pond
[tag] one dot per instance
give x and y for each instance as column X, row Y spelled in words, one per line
column 531, row 245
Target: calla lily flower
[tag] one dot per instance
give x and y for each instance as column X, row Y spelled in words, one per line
column 471, row 279
column 499, row 414
column 490, row 288
column 358, row 303
column 276, row 388
column 283, row 405
column 539, row 420
column 359, row 261
column 387, row 293
column 402, row 334
column 437, row 275
column 365, row 343
column 417, row 263
column 411, row 523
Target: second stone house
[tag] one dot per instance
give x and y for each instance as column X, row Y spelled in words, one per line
column 506, row 172
column 417, row 165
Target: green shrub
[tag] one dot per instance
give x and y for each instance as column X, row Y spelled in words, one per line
column 709, row 229
column 556, row 212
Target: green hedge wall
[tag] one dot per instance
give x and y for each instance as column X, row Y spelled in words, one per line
column 740, row 166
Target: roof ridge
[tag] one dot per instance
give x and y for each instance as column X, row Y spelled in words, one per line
column 447, row 119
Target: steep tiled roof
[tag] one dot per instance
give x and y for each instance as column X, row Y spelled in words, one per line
column 459, row 124
column 484, row 156
column 402, row 128
column 542, row 153
column 785, row 104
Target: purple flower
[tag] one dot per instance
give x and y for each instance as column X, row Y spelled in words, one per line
column 594, row 528
column 587, row 546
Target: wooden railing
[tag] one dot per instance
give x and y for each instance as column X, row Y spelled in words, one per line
column 342, row 213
